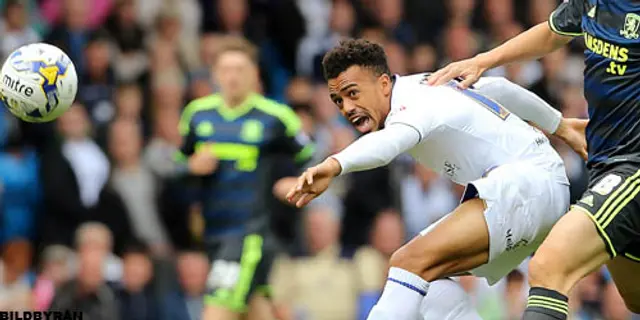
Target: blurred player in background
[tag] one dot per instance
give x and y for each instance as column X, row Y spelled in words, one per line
column 516, row 183
column 604, row 226
column 229, row 139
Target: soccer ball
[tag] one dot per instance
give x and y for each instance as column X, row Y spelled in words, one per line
column 39, row 83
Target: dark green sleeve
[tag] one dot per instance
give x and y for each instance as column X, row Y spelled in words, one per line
column 566, row 20
column 295, row 142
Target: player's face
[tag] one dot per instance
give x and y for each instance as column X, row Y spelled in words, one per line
column 362, row 97
column 236, row 74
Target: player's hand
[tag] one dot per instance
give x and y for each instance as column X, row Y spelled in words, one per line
column 313, row 182
column 572, row 132
column 202, row 162
column 281, row 187
column 469, row 70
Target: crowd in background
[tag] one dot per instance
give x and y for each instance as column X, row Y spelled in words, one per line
column 90, row 203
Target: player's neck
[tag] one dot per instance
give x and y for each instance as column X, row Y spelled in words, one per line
column 234, row 102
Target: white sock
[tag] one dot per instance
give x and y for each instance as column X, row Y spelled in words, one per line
column 447, row 300
column 401, row 297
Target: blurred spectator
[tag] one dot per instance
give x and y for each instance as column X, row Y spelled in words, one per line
column 98, row 84
column 423, row 59
column 96, row 237
column 129, row 103
column 55, row 270
column 613, row 307
column 516, row 291
column 426, row 197
column 15, row 279
column 15, row 30
column 525, row 73
column 387, row 236
column 311, row 49
column 93, row 13
column 299, row 95
column 88, row 292
column 168, row 32
column 75, row 187
column 124, row 27
column 397, row 58
column 498, row 13
column 136, row 185
column 132, row 61
column 390, row 13
column 362, row 205
column 387, row 233
column 189, row 13
column 540, row 10
column 161, row 149
column 167, row 71
column 20, row 194
column 486, row 300
column 376, row 35
column 136, row 298
column 72, row 31
column 187, row 302
column 301, row 286
column 458, row 43
column 232, row 18
column 460, row 12
column 549, row 86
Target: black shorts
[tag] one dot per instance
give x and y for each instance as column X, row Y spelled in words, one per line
column 240, row 267
column 612, row 201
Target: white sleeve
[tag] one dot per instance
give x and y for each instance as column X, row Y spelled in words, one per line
column 522, row 102
column 378, row 148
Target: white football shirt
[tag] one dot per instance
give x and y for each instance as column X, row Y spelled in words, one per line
column 461, row 134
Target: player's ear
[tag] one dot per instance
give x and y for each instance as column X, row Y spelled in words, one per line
column 385, row 83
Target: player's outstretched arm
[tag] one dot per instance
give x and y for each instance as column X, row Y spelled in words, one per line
column 531, row 44
column 370, row 151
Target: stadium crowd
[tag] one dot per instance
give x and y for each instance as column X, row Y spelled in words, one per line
column 91, row 203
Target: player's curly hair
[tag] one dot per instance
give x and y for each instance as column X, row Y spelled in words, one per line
column 355, row 52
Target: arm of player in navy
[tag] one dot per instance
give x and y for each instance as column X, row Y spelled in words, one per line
column 293, row 140
column 378, row 148
column 188, row 144
column 520, row 101
column 566, row 20
column 189, row 161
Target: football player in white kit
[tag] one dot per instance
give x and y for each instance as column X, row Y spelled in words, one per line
column 516, row 185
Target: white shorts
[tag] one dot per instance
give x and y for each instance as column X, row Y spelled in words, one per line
column 524, row 200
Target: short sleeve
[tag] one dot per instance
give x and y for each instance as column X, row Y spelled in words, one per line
column 566, row 20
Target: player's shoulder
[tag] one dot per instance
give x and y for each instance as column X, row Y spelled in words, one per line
column 412, row 93
column 207, row 103
column 281, row 112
